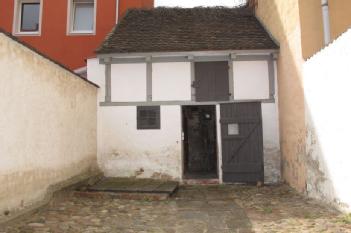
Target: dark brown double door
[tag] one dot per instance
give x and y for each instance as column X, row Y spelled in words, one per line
column 242, row 142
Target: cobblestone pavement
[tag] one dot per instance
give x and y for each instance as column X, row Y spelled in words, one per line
column 194, row 209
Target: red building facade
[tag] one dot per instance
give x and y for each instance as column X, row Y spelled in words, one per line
column 67, row 31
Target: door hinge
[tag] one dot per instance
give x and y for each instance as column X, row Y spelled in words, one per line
column 194, row 84
column 182, row 136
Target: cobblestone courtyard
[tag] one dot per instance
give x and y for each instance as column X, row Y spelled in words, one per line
column 193, row 209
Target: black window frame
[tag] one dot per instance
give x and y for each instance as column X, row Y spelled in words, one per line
column 21, row 23
column 145, row 118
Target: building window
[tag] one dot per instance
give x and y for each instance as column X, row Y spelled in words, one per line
column 27, row 17
column 30, row 17
column 82, row 16
column 148, row 117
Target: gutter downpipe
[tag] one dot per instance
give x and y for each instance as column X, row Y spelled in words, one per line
column 326, row 21
column 117, row 11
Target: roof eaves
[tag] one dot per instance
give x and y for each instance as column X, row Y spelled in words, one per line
column 184, row 53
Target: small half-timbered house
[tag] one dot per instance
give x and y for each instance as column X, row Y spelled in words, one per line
column 188, row 94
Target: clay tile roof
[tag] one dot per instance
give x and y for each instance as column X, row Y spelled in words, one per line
column 182, row 29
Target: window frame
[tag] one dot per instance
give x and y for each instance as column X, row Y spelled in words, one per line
column 18, row 18
column 71, row 16
column 141, row 126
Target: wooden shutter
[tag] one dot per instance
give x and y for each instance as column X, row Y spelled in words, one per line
column 212, row 81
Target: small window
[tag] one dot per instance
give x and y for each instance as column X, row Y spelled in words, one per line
column 30, row 13
column 27, row 17
column 148, row 117
column 82, row 16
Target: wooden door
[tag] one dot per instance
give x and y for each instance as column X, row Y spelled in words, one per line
column 211, row 81
column 242, row 142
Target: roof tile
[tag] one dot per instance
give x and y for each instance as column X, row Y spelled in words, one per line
column 187, row 29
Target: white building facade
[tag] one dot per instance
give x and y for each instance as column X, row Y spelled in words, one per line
column 187, row 115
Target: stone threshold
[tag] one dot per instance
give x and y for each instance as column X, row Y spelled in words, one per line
column 200, row 182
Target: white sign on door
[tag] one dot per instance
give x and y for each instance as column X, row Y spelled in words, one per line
column 233, row 129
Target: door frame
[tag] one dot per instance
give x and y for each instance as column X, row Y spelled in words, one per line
column 219, row 144
column 218, row 141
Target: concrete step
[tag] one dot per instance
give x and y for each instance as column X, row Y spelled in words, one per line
column 129, row 188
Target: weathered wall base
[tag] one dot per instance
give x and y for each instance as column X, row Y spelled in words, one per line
column 271, row 146
column 124, row 151
column 45, row 195
column 35, row 182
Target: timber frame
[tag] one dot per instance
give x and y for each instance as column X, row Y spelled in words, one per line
column 207, row 56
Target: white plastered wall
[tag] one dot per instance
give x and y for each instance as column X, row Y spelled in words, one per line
column 219, row 143
column 251, row 80
column 128, row 82
column 271, row 143
column 96, row 74
column 271, row 137
column 327, row 83
column 125, row 151
column 47, row 126
column 171, row 81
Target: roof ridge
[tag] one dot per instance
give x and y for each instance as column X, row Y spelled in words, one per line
column 241, row 9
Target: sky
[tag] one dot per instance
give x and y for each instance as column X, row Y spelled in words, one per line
column 194, row 3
